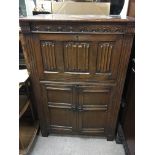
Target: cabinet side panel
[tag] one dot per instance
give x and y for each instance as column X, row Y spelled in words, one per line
column 116, row 99
column 30, row 48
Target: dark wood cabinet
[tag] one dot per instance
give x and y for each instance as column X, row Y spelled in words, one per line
column 77, row 70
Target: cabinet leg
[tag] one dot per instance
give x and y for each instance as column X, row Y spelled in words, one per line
column 44, row 133
column 119, row 136
column 110, row 137
column 118, row 139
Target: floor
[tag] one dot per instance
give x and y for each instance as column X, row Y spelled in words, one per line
column 74, row 145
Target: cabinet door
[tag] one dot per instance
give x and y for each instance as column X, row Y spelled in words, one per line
column 94, row 102
column 59, row 107
column 82, row 57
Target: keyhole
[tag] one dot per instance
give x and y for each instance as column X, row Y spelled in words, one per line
column 77, row 37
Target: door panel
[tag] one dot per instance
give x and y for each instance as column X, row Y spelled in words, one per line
column 94, row 102
column 58, row 104
column 61, row 119
column 92, row 121
column 94, row 96
column 78, row 57
column 48, row 55
column 104, row 57
column 59, row 95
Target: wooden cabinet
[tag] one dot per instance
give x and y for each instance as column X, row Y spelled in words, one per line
column 77, row 68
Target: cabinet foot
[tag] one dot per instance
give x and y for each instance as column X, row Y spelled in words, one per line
column 119, row 136
column 44, row 133
column 110, row 138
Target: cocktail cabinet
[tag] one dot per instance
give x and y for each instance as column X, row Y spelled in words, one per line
column 77, row 68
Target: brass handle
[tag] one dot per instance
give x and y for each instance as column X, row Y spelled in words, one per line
column 80, row 109
column 74, row 108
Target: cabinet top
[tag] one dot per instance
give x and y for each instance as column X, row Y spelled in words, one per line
column 56, row 23
column 78, row 18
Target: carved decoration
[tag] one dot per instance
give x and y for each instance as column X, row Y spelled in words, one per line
column 25, row 27
column 104, row 54
column 48, row 54
column 30, row 51
column 76, row 56
column 130, row 28
column 110, row 27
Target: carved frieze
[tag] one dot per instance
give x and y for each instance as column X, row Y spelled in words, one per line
column 110, row 27
column 25, row 27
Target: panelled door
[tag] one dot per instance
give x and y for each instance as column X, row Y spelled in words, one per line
column 77, row 108
column 94, row 102
column 82, row 57
column 59, row 107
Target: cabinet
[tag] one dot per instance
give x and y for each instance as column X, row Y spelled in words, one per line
column 77, row 67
